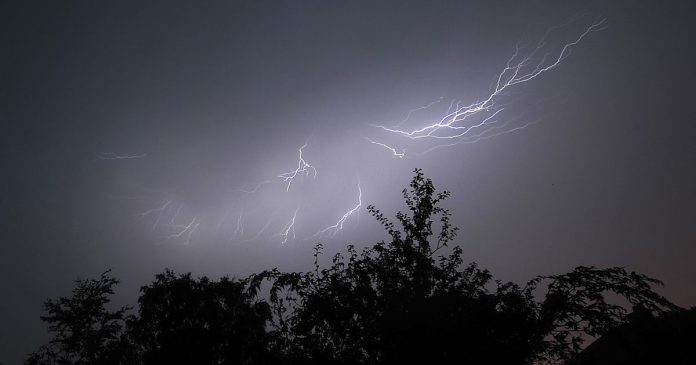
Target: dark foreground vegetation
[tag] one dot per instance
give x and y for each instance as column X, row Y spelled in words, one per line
column 410, row 299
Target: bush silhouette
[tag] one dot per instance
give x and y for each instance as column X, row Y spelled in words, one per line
column 408, row 299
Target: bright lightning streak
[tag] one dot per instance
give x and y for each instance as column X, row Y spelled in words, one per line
column 331, row 231
column 302, row 167
column 518, row 69
column 479, row 137
column 395, row 153
column 184, row 230
column 167, row 211
column 288, row 229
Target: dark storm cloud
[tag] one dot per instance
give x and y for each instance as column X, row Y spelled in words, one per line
column 216, row 97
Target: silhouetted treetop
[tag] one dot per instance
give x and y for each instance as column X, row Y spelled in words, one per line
column 84, row 330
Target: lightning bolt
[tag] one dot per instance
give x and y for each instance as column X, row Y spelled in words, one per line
column 256, row 187
column 331, row 231
column 462, row 121
column 166, row 216
column 239, row 229
column 184, row 230
column 288, row 229
column 159, row 210
column 302, row 167
column 395, row 153
column 412, row 111
column 479, row 137
column 114, row 156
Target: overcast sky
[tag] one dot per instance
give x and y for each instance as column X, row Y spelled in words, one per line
column 138, row 136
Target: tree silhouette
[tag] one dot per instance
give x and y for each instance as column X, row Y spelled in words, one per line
column 84, row 331
column 408, row 299
column 182, row 320
column 398, row 302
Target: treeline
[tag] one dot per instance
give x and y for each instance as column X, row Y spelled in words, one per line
column 410, row 299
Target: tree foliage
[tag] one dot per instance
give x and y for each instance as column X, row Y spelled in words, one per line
column 84, row 330
column 408, row 299
column 199, row 321
column 397, row 301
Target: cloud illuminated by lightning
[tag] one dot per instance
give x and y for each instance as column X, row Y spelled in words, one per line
column 460, row 123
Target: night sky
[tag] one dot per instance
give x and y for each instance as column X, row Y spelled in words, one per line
column 138, row 136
